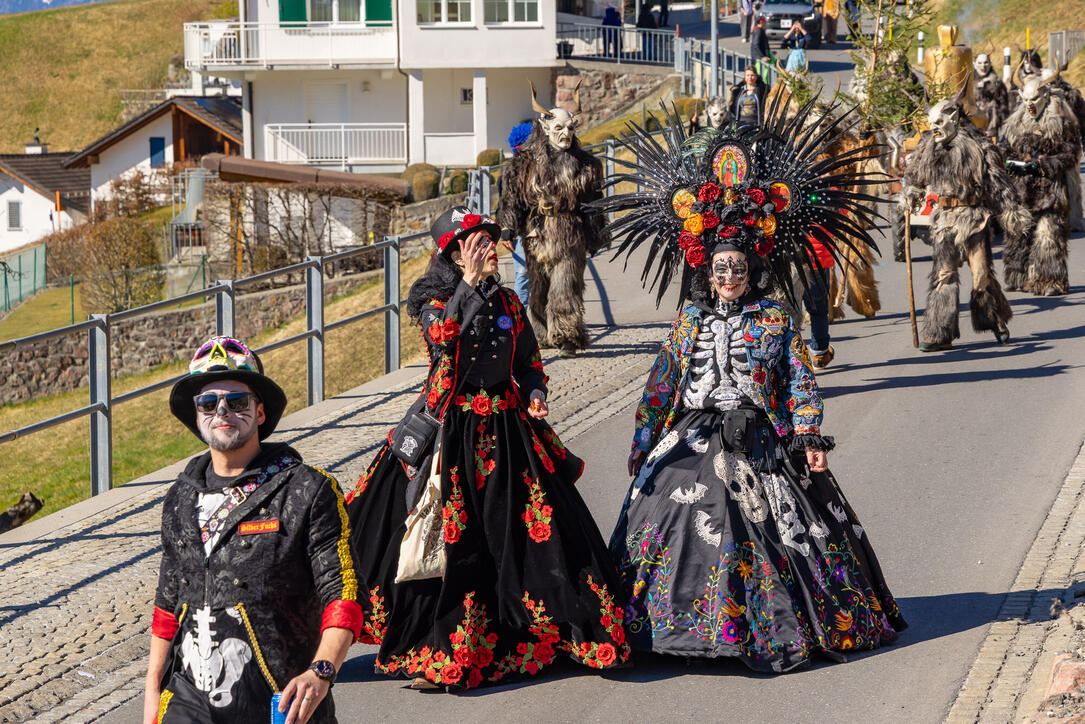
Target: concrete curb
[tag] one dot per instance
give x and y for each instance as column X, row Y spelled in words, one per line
column 1009, row 677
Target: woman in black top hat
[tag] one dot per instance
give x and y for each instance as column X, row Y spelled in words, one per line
column 527, row 576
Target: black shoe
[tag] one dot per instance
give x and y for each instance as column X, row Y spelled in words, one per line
column 926, row 346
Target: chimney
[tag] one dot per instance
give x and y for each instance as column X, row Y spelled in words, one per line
column 36, row 147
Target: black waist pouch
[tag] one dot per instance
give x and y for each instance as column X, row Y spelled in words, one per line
column 749, row 433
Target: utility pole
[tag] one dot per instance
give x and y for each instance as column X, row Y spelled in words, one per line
column 714, row 9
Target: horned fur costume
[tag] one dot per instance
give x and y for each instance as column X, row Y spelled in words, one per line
column 955, row 161
column 1043, row 145
column 990, row 94
column 546, row 186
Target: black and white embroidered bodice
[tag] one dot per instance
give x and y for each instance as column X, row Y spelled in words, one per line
column 719, row 371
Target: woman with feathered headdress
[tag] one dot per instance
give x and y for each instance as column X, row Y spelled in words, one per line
column 734, row 538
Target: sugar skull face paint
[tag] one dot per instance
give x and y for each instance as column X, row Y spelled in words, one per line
column 730, row 275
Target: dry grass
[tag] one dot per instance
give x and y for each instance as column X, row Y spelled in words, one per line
column 54, row 464
column 64, row 68
column 990, row 25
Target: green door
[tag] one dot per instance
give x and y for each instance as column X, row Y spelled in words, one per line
column 378, row 12
column 292, row 11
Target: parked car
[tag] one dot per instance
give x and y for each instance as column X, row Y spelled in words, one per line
column 781, row 14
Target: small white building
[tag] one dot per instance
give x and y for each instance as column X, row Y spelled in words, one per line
column 39, row 196
column 372, row 86
column 178, row 129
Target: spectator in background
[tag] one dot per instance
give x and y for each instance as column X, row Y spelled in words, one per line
column 759, row 42
column 796, row 37
column 664, row 12
column 646, row 21
column 830, row 10
column 515, row 245
column 612, row 37
column 748, row 98
column 816, row 300
column 745, row 18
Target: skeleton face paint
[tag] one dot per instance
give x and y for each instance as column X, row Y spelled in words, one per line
column 1035, row 95
column 560, row 128
column 944, row 118
column 982, row 64
column 730, row 275
column 225, row 430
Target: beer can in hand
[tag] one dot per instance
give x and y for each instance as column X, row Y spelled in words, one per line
column 277, row 717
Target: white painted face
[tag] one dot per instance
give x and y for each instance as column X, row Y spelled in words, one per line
column 944, row 118
column 982, row 64
column 560, row 128
column 730, row 276
column 716, row 112
column 1035, row 95
column 225, row 429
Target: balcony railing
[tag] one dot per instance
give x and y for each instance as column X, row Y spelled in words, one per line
column 225, row 45
column 341, row 144
column 626, row 44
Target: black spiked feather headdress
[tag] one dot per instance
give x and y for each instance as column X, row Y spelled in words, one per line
column 759, row 189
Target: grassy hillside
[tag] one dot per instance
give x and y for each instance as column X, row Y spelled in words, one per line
column 63, row 68
column 990, row 25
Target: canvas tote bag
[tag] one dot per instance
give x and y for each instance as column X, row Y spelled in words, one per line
column 422, row 552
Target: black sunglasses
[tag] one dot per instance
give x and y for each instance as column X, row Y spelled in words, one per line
column 208, row 402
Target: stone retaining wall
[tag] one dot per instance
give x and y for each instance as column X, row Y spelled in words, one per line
column 139, row 344
column 608, row 93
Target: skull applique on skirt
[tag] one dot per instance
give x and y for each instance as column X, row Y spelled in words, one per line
column 720, row 559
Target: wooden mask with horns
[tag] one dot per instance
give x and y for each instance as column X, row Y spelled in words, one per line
column 558, row 123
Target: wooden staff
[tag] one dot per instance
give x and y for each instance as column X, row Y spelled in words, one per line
column 908, row 261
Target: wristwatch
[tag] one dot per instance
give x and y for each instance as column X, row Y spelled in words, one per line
column 323, row 669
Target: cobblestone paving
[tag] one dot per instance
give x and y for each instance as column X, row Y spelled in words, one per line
column 1006, row 681
column 75, row 611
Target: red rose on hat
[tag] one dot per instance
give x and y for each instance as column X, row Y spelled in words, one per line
column 470, row 220
column 695, row 256
column 764, row 246
column 445, row 238
column 710, row 220
column 708, row 193
column 728, row 230
column 756, row 195
column 687, row 240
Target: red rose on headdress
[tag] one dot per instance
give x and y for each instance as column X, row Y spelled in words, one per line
column 710, row 220
column 750, row 219
column 445, row 238
column 470, row 220
column 728, row 230
column 708, row 193
column 687, row 240
column 695, row 255
column 764, row 246
column 756, row 195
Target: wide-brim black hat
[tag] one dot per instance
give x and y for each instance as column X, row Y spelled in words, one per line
column 456, row 224
column 183, row 406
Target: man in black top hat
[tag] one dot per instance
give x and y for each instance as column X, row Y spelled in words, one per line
column 257, row 592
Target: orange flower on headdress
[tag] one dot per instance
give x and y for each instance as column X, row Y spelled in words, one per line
column 694, row 224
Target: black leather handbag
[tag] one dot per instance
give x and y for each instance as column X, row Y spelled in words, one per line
column 413, row 437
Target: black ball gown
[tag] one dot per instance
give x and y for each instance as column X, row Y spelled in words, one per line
column 727, row 544
column 528, row 575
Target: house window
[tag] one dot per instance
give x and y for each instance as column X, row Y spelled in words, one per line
column 467, row 96
column 335, row 11
column 158, row 152
column 444, row 11
column 516, row 11
column 15, row 215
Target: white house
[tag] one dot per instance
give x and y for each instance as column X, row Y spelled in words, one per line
column 178, row 129
column 39, row 196
column 372, row 85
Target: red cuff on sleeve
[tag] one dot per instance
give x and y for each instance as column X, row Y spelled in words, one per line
column 163, row 624
column 343, row 614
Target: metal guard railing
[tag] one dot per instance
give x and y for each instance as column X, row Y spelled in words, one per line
column 101, row 401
